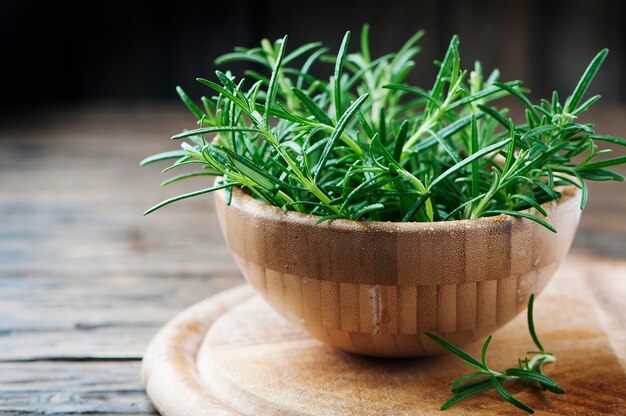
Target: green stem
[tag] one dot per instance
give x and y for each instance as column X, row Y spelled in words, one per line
column 549, row 358
column 424, row 127
column 289, row 200
column 310, row 185
column 347, row 140
column 428, row 124
column 482, row 204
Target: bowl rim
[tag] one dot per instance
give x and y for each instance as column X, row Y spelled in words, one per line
column 247, row 203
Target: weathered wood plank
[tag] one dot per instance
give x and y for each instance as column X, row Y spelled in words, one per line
column 54, row 302
column 62, row 387
column 114, row 317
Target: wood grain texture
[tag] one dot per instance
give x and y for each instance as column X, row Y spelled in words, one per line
column 72, row 387
column 54, row 317
column 253, row 361
column 365, row 276
column 168, row 366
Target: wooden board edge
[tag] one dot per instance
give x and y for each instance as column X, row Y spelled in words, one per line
column 169, row 372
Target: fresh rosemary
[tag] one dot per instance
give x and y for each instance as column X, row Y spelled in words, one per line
column 365, row 145
column 529, row 369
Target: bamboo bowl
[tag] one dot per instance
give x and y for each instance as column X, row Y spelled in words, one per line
column 374, row 288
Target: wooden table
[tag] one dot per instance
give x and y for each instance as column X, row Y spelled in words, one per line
column 85, row 281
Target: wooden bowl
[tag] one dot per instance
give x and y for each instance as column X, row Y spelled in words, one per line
column 374, row 288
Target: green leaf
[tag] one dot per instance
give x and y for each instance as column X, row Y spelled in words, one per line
column 600, row 175
column 530, row 202
column 189, row 103
column 343, row 50
column 189, row 195
column 521, row 215
column 279, row 112
column 480, row 95
column 250, row 170
column 338, row 130
column 301, row 50
column 483, row 355
column 444, row 133
column 364, row 70
column 531, row 324
column 584, row 106
column 610, row 139
column 446, row 147
column 366, row 126
column 603, row 164
column 467, row 161
column 273, row 85
column 365, row 187
column 507, row 396
column 555, row 102
column 572, row 101
column 546, row 382
column 473, row 149
column 517, row 94
column 413, row 90
column 329, row 217
column 305, row 138
column 479, row 388
column 239, row 56
column 462, row 384
column 418, row 204
column 584, row 189
column 382, row 124
column 365, row 43
column 451, row 53
column 546, row 189
column 216, row 87
column 188, row 176
column 541, row 158
column 510, row 154
column 172, row 154
column 494, row 114
column 408, row 45
column 400, row 140
column 455, row 350
column 208, row 130
column 367, row 209
column 308, row 64
column 538, row 131
column 228, row 83
column 376, row 144
column 182, row 162
column 313, row 108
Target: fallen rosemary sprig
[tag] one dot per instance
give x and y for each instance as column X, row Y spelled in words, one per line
column 530, row 369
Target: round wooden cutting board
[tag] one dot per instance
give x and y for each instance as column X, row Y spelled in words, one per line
column 231, row 354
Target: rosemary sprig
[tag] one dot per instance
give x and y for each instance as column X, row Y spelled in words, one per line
column 529, row 369
column 362, row 144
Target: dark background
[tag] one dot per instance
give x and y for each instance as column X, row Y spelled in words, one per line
column 69, row 54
